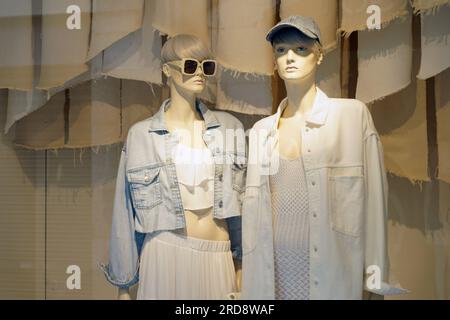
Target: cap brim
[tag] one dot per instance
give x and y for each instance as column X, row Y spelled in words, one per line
column 279, row 27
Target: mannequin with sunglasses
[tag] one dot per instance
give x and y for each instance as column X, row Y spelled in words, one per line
column 177, row 230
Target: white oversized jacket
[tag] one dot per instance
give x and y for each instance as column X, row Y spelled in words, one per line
column 347, row 190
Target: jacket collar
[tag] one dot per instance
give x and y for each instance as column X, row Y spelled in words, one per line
column 157, row 122
column 317, row 116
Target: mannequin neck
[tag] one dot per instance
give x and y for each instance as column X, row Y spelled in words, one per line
column 182, row 106
column 300, row 96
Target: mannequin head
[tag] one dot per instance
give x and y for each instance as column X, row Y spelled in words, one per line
column 296, row 55
column 173, row 51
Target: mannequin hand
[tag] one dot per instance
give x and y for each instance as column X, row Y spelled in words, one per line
column 124, row 294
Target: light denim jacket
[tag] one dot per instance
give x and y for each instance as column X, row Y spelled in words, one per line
column 347, row 200
column 147, row 196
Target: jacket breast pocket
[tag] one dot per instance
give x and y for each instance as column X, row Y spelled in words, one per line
column 347, row 204
column 145, row 187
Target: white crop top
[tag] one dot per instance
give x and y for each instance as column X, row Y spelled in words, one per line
column 195, row 173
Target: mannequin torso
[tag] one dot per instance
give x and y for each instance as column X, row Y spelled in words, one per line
column 199, row 223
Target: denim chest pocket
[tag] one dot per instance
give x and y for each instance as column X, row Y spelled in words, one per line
column 347, row 204
column 145, row 187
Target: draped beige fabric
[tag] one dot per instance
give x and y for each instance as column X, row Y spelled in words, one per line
column 64, row 51
column 173, row 17
column 138, row 55
column 111, row 21
column 242, row 27
column 244, row 93
column 435, row 39
column 401, row 121
column 354, row 12
column 44, row 128
column 94, row 116
column 384, row 60
column 22, row 103
column 443, row 123
column 139, row 101
column 16, row 38
column 324, row 12
column 329, row 73
column 428, row 6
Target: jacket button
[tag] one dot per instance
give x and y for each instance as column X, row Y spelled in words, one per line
column 220, row 204
column 146, row 178
column 220, row 177
column 313, row 183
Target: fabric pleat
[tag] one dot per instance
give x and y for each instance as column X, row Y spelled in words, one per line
column 175, row 267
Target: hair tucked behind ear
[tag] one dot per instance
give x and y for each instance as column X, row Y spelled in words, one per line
column 184, row 46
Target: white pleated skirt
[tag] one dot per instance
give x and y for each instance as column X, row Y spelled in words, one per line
column 177, row 267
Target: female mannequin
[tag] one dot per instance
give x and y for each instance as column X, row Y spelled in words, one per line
column 186, row 199
column 314, row 211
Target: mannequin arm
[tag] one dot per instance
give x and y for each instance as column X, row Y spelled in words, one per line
column 124, row 294
column 238, row 268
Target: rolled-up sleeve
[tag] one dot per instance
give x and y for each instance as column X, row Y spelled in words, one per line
column 123, row 266
column 376, row 209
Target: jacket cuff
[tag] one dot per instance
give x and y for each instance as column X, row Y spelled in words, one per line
column 117, row 283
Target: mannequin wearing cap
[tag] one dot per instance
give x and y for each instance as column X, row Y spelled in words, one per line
column 323, row 207
column 296, row 59
column 185, row 122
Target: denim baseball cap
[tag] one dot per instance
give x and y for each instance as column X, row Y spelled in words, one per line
column 306, row 25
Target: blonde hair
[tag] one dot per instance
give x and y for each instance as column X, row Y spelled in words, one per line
column 184, row 46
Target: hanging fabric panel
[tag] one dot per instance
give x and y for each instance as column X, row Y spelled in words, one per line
column 64, row 50
column 111, row 21
column 138, row 55
column 242, row 28
column 16, row 36
column 354, row 15
column 324, row 12
column 384, row 60
column 435, row 39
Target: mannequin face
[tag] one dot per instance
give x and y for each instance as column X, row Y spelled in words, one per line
column 296, row 59
column 192, row 84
